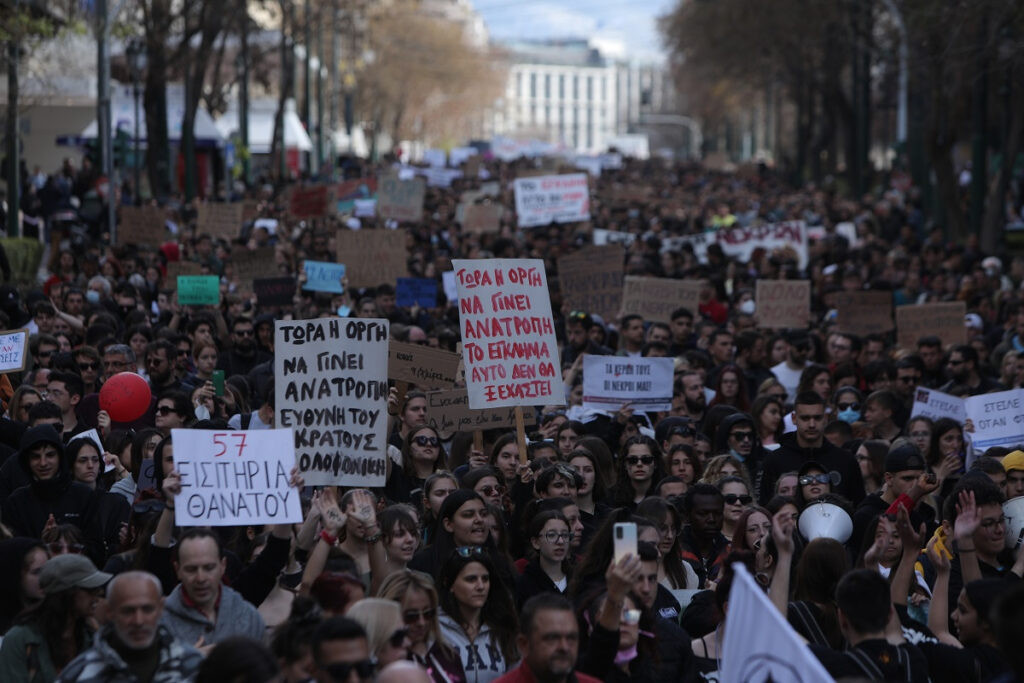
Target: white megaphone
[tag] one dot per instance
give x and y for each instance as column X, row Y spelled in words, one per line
column 1013, row 510
column 825, row 520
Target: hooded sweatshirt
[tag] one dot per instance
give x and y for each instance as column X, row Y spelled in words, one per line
column 790, row 456
column 753, row 461
column 482, row 659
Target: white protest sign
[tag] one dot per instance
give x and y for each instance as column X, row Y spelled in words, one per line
column 592, row 165
column 603, row 237
column 235, row 478
column 552, row 199
column 740, row 243
column 365, row 208
column 459, row 154
column 13, row 350
column 451, row 291
column 330, row 384
column 435, row 157
column 609, row 382
column 508, row 335
column 998, row 419
column 936, row 405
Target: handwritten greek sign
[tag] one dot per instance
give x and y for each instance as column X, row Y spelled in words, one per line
column 220, row 219
column 423, row 366
column 610, row 382
column 508, row 336
column 783, row 303
column 448, row 412
column 864, row 312
column 936, row 405
column 552, row 199
column 13, row 350
column 247, row 265
column 944, row 320
column 655, row 298
column 401, row 200
column 330, row 379
column 309, row 202
column 323, row 276
column 591, row 280
column 998, row 419
column 235, row 478
column 274, row 291
column 198, row 290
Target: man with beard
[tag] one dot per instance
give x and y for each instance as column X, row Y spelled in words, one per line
column 134, row 643
column 962, row 370
column 243, row 355
column 548, row 642
column 690, row 400
column 161, row 356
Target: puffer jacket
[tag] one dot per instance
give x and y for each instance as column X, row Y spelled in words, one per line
column 101, row 663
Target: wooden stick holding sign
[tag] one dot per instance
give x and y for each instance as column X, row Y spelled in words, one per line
column 521, row 435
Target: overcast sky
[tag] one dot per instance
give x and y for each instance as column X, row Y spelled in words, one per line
column 631, row 21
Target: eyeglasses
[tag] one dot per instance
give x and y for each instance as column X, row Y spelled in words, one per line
column 426, row 441
column 848, row 406
column 742, row 436
column 557, row 536
column 489, row 490
column 635, row 460
column 815, row 479
column 733, row 498
column 57, row 548
column 340, row 671
column 165, row 410
column 412, row 617
column 920, row 435
column 82, row 367
column 465, row 551
column 989, row 523
column 631, row 617
column 245, row 333
column 114, row 363
column 398, row 637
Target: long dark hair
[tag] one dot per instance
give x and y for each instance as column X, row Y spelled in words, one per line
column 14, row 553
column 51, row 618
column 942, row 426
column 407, row 466
column 625, row 494
column 741, row 402
column 598, row 492
column 660, row 511
column 822, row 563
column 498, row 611
column 537, row 526
column 597, row 554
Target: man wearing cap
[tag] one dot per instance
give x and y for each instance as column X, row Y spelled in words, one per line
column 962, row 370
column 134, row 647
column 905, row 484
column 1013, row 463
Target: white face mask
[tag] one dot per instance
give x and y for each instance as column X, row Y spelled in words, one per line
column 748, row 307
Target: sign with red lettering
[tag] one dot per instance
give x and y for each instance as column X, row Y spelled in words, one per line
column 508, row 335
column 783, row 303
column 310, row 202
column 552, row 199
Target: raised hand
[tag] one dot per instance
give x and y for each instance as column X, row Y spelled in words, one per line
column 968, row 517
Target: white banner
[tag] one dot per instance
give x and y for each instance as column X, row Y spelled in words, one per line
column 460, row 154
column 603, row 237
column 936, row 405
column 331, row 387
column 609, row 382
column 508, row 335
column 760, row 645
column 998, row 419
column 552, row 199
column 435, row 157
column 740, row 243
column 235, row 478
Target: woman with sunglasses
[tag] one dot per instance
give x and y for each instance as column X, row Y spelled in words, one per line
column 627, row 652
column 477, row 615
column 549, row 568
column 415, row 593
column 173, row 411
column 422, row 455
column 639, row 468
column 737, row 499
column 813, row 482
column 386, row 635
column 23, row 399
column 487, row 483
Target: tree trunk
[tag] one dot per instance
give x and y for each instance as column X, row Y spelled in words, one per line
column 154, row 100
column 277, row 147
column 1013, row 141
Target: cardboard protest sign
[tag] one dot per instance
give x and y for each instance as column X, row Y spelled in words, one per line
column 401, row 200
column 176, row 268
column 274, row 291
column 944, row 320
column 482, row 218
column 610, row 382
column 472, row 166
column 591, row 280
column 508, row 335
column 448, row 412
column 552, row 199
column 655, row 298
column 936, row 405
column 423, row 366
column 220, row 219
column 143, row 225
column 198, row 290
column 740, row 243
column 248, row 265
column 330, row 384
column 235, row 478
column 416, row 291
column 783, row 303
column 305, row 203
column 323, row 276
column 13, row 350
column 864, row 313
column 372, row 257
column 998, row 419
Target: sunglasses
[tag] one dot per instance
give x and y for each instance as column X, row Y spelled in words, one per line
column 743, row 436
column 165, row 410
column 848, row 406
column 340, row 671
column 815, row 479
column 398, row 637
column 411, row 617
column 640, row 459
column 426, row 441
column 733, row 498
column 577, row 315
column 245, row 333
column 908, row 380
column 183, row 352
column 489, row 490
column 681, row 431
column 82, row 367
column 465, row 551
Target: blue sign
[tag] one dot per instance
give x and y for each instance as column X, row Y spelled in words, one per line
column 414, row 291
column 323, row 276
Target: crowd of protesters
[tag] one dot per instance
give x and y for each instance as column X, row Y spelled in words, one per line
column 470, row 565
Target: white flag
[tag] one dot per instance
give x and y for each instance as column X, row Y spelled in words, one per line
column 759, row 644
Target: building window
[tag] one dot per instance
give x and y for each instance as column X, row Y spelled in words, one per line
column 547, row 86
column 604, row 89
column 561, row 87
column 533, row 85
column 590, row 88
column 590, row 128
column 575, row 87
column 519, row 85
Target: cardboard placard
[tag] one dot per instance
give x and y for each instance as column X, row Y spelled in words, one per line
column 508, row 335
column 423, row 366
column 176, row 268
column 471, row 169
column 944, row 320
column 274, row 291
column 250, row 210
column 198, row 290
column 305, row 203
column 783, row 303
column 482, row 218
column 552, row 199
column 655, row 298
column 610, row 382
column 591, row 280
column 449, row 412
column 416, row 291
column 401, row 200
column 863, row 313
column 13, row 350
column 249, row 265
column 220, row 219
column 143, row 225
column 323, row 276
column 330, row 384
column 373, row 257
column 235, row 478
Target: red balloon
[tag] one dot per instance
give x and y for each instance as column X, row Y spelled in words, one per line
column 125, row 396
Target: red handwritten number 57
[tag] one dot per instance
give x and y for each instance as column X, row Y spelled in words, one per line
column 239, row 442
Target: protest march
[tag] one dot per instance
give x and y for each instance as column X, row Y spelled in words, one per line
column 672, row 415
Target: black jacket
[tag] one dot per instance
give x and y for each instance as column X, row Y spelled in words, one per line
column 533, row 581
column 790, row 456
column 752, row 462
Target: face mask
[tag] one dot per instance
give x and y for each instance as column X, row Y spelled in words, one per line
column 92, row 296
column 849, row 415
column 748, row 307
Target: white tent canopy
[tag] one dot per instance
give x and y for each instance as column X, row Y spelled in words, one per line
column 261, row 126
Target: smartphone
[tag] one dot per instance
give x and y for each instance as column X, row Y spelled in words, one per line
column 218, row 382
column 624, row 537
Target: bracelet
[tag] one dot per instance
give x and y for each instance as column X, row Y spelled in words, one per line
column 169, row 507
column 373, row 539
column 327, row 538
column 964, row 550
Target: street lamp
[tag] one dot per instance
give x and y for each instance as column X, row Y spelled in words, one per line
column 136, row 54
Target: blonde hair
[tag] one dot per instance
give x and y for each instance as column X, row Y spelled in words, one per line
column 397, row 584
column 380, row 618
column 713, row 470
